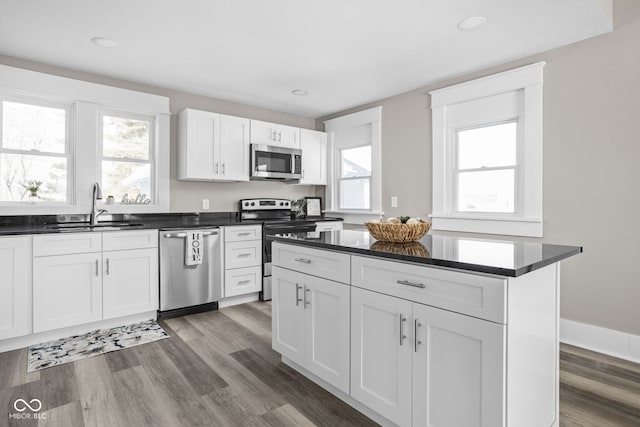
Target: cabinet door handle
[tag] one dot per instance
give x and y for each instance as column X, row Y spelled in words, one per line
column 279, row 136
column 273, row 134
column 216, row 168
column 306, row 302
column 408, row 283
column 402, row 335
column 298, row 300
column 223, row 169
column 303, row 260
column 97, row 266
column 302, row 173
column 416, row 341
column 107, row 266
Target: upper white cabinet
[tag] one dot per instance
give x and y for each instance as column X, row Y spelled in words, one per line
column 212, row 147
column 15, row 303
column 314, row 157
column 274, row 134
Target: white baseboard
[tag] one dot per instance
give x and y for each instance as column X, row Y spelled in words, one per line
column 608, row 341
column 239, row 299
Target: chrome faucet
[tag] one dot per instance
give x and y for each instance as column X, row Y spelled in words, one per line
column 95, row 212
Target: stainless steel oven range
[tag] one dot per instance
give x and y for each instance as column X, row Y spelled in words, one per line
column 275, row 216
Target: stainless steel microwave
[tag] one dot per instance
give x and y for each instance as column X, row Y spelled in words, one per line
column 277, row 163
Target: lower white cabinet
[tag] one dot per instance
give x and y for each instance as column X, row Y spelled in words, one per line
column 67, row 290
column 77, row 287
column 15, row 283
column 130, row 282
column 241, row 281
column 310, row 324
column 242, row 260
column 417, row 365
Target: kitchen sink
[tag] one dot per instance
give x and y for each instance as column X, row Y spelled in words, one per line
column 83, row 226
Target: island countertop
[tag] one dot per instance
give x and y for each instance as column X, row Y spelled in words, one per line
column 510, row 258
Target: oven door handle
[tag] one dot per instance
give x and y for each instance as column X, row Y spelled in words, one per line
column 184, row 235
column 300, row 228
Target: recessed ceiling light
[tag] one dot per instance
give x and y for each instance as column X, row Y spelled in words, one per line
column 471, row 23
column 104, row 42
column 299, row 92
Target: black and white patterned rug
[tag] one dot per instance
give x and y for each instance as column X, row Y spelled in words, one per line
column 96, row 342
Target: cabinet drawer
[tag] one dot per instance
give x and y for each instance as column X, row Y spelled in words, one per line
column 139, row 239
column 322, row 263
column 242, row 233
column 474, row 295
column 242, row 281
column 242, row 254
column 62, row 244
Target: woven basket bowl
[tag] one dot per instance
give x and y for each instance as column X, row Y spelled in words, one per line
column 397, row 233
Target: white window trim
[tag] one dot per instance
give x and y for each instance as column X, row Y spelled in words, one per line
column 528, row 219
column 87, row 99
column 371, row 116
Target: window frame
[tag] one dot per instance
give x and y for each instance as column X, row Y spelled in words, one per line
column 153, row 148
column 526, row 82
column 69, row 150
column 373, row 118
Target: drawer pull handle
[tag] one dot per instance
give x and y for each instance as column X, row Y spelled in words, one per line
column 303, row 260
column 402, row 335
column 246, row 233
column 242, row 282
column 416, row 341
column 243, row 255
column 408, row 283
column 298, row 300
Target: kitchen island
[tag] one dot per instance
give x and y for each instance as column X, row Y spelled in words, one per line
column 446, row 331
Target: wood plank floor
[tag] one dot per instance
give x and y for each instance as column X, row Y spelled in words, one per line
column 218, row 369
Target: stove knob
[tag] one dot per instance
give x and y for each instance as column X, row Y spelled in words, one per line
column 253, row 203
column 286, row 203
column 246, row 203
column 281, row 203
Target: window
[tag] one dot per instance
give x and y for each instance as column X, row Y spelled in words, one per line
column 127, row 157
column 486, row 169
column 35, row 150
column 353, row 188
column 487, row 154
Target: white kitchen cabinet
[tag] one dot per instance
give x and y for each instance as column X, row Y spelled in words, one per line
column 77, row 287
column 329, row 225
column 130, row 282
column 67, row 290
column 242, row 260
column 381, row 354
column 458, row 362
column 15, row 286
column 212, row 147
column 404, row 352
column 314, row 157
column 274, row 134
column 311, row 324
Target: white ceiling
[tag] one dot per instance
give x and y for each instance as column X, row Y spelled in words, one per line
column 343, row 52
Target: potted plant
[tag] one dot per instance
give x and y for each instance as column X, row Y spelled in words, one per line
column 32, row 187
column 110, row 200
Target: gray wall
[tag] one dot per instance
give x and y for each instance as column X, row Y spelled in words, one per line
column 591, row 165
column 187, row 196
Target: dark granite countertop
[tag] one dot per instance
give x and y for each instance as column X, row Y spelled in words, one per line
column 42, row 224
column 501, row 257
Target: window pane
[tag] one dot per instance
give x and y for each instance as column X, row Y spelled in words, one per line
column 125, row 138
column 487, row 146
column 486, row 191
column 16, row 170
column 33, row 127
column 120, row 178
column 354, row 194
column 356, row 161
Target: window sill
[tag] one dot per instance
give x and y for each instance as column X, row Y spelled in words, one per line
column 526, row 227
column 355, row 217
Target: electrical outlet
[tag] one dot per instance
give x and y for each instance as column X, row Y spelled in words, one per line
column 394, row 201
column 205, row 203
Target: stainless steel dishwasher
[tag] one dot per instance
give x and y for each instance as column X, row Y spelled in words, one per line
column 186, row 289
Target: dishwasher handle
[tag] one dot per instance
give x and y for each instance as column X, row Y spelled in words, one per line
column 182, row 235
